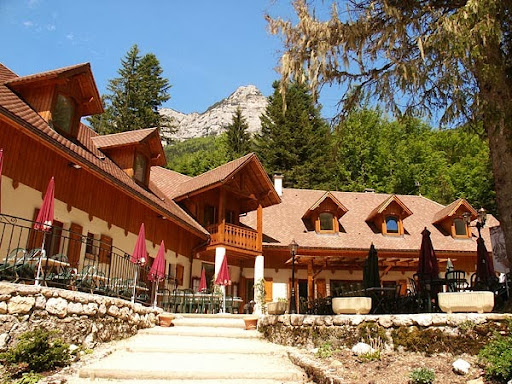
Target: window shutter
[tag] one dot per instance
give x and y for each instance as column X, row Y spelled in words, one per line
column 180, row 269
column 321, row 288
column 105, row 252
column 268, row 289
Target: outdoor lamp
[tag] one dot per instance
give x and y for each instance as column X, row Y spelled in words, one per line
column 481, row 218
column 293, row 301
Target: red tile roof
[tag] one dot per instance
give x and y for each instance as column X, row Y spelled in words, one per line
column 122, row 138
column 164, row 182
column 382, row 207
column 6, row 74
column 212, row 177
column 17, row 110
column 450, row 210
column 282, row 223
column 54, row 73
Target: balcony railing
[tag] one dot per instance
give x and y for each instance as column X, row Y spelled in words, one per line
column 235, row 236
column 101, row 269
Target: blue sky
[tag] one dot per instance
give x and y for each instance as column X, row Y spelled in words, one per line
column 206, row 48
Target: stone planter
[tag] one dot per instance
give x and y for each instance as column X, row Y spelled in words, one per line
column 251, row 323
column 165, row 319
column 351, row 305
column 478, row 301
column 276, row 308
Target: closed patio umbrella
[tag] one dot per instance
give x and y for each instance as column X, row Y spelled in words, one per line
column 139, row 256
column 449, row 265
column 44, row 222
column 371, row 278
column 157, row 271
column 484, row 267
column 202, row 283
column 223, row 279
column 427, row 263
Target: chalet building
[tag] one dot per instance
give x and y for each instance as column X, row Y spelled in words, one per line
column 334, row 231
column 106, row 186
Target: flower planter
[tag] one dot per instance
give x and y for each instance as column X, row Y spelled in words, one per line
column 351, row 305
column 251, row 323
column 276, row 308
column 165, row 319
column 478, row 301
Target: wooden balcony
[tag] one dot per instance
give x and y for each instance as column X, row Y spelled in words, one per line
column 234, row 236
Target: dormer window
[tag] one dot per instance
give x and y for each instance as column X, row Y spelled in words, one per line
column 324, row 215
column 326, row 221
column 63, row 114
column 392, row 225
column 140, row 167
column 451, row 219
column 389, row 215
column 460, row 228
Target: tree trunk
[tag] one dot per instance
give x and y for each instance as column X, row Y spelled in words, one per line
column 496, row 96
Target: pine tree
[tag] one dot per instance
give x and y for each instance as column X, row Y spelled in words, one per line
column 238, row 140
column 135, row 96
column 295, row 142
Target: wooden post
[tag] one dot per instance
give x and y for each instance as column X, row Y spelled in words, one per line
column 222, row 215
column 311, row 288
column 259, row 227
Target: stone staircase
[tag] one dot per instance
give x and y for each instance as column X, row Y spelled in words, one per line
column 198, row 348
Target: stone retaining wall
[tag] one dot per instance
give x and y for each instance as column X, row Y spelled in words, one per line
column 83, row 319
column 312, row 330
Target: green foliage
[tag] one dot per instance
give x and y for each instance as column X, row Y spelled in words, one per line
column 38, row 351
column 195, row 156
column 294, row 140
column 325, row 350
column 371, row 333
column 409, row 157
column 497, row 359
column 370, row 356
column 29, row 378
column 422, row 376
column 238, row 140
column 134, row 97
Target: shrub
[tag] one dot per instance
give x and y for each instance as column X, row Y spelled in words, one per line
column 325, row 351
column 370, row 356
column 29, row 378
column 497, row 359
column 38, row 351
column 422, row 376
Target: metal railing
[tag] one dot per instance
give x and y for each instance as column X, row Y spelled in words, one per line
column 56, row 258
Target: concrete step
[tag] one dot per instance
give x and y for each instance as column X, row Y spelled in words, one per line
column 79, row 380
column 175, row 344
column 190, row 366
column 215, row 322
column 201, row 331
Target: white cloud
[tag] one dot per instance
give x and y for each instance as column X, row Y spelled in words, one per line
column 70, row 36
column 33, row 3
column 28, row 24
column 51, row 27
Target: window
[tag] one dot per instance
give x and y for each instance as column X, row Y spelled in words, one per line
column 209, row 215
column 62, row 114
column 230, row 217
column 461, row 228
column 140, row 168
column 326, row 221
column 392, row 225
column 90, row 248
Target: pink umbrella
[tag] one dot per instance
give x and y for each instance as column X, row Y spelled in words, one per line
column 223, row 279
column 202, row 283
column 157, row 271
column 44, row 221
column 1, row 163
column 139, row 255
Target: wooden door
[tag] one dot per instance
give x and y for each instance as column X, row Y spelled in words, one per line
column 321, row 288
column 75, row 244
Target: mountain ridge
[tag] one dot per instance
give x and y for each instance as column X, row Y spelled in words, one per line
column 217, row 116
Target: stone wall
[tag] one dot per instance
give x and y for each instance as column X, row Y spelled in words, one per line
column 83, row 319
column 311, row 330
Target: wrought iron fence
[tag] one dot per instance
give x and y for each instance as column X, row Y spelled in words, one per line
column 64, row 259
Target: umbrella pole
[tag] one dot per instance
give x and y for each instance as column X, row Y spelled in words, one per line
column 224, row 299
column 135, row 282
column 156, row 294
column 43, row 253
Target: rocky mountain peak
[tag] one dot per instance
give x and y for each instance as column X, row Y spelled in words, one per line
column 214, row 120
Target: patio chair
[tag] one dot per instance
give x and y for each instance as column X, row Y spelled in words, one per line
column 165, row 301
column 126, row 289
column 456, row 281
column 7, row 267
column 85, row 280
column 142, row 292
column 60, row 276
column 229, row 304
